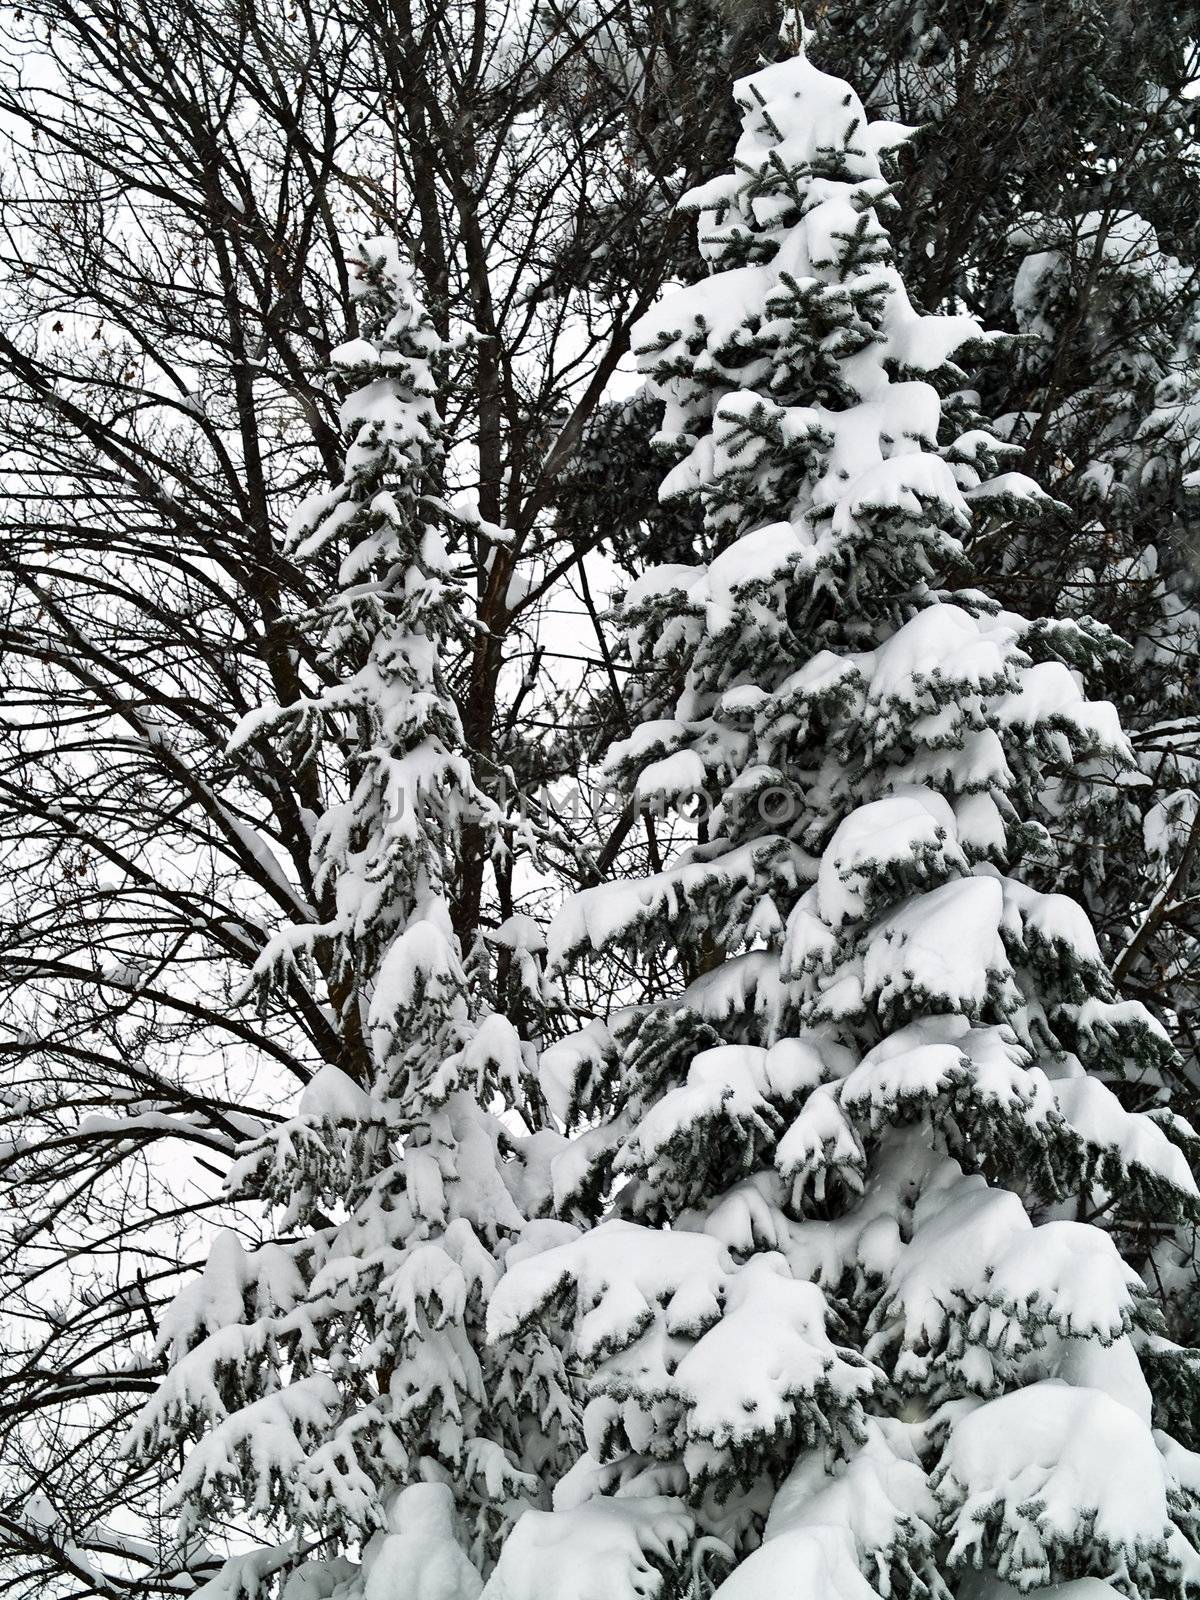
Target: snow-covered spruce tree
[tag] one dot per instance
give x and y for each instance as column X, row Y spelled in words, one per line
column 336, row 1383
column 1111, row 375
column 851, row 1225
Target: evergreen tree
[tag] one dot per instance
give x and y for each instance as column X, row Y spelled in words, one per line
column 336, row 1382
column 854, row 1220
column 1110, row 375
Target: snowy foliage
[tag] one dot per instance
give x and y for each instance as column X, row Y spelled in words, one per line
column 852, row 1223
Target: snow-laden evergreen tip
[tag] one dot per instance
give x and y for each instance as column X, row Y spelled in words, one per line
column 859, row 1282
column 337, row 1385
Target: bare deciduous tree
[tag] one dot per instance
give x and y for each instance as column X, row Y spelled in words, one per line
column 184, row 185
